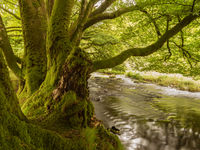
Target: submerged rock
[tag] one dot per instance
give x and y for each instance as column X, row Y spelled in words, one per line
column 114, row 130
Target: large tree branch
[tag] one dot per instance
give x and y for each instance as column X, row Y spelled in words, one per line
column 11, row 13
column 104, row 16
column 119, row 59
column 83, row 17
column 100, row 16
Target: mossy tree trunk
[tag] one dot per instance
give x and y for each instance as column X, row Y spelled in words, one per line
column 34, row 25
column 17, row 133
column 8, row 98
column 65, row 84
column 57, row 84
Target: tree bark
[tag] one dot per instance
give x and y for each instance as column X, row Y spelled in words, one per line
column 17, row 133
column 34, row 24
column 8, row 98
column 65, row 85
column 58, row 41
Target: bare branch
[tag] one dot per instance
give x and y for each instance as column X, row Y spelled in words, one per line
column 168, row 47
column 186, row 54
column 193, row 4
column 152, row 20
column 119, row 59
column 184, row 51
column 11, row 13
column 182, row 34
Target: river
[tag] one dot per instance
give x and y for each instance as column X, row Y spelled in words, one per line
column 149, row 117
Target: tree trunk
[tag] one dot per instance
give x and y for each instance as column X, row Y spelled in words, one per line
column 76, row 110
column 16, row 133
column 64, row 94
column 8, row 99
column 11, row 59
column 34, row 25
column 62, row 102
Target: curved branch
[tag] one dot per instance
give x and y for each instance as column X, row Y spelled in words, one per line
column 119, row 59
column 112, row 15
column 11, row 13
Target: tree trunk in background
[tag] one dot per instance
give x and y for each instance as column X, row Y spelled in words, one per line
column 11, row 59
column 34, row 25
column 8, row 99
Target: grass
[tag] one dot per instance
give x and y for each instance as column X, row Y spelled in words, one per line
column 111, row 71
column 171, row 80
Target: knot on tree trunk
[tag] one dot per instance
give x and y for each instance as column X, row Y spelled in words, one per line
column 75, row 75
column 75, row 109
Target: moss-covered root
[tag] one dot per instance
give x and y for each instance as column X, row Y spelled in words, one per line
column 20, row 135
column 106, row 140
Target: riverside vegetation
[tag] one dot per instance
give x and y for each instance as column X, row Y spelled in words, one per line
column 173, row 80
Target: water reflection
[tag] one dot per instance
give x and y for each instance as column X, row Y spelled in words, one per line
column 147, row 119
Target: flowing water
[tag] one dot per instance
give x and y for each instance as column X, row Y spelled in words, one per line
column 149, row 117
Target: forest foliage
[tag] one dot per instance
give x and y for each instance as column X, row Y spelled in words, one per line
column 134, row 29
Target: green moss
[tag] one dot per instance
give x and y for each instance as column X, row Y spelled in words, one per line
column 17, row 135
column 106, row 140
column 35, row 43
column 20, row 135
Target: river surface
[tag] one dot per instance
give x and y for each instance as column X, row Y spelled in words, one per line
column 149, row 117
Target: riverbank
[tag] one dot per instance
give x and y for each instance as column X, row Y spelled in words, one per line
column 169, row 80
